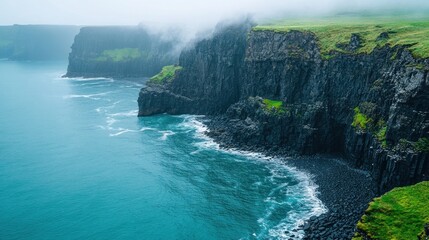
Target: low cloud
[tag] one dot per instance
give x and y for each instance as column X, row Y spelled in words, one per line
column 185, row 18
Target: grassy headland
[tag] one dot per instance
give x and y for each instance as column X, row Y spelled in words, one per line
column 166, row 75
column 399, row 214
column 374, row 32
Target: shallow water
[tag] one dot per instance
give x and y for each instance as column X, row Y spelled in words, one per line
column 76, row 163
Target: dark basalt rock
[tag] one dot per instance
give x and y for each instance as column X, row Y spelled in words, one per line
column 354, row 44
column 425, row 234
column 383, row 36
column 209, row 81
column 227, row 77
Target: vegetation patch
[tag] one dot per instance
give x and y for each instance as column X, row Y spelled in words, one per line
column 374, row 32
column 166, row 75
column 360, row 120
column 422, row 145
column 364, row 119
column 399, row 214
column 381, row 136
column 273, row 106
column 119, row 55
column 418, row 66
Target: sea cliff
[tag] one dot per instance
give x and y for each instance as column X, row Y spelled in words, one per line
column 370, row 107
column 295, row 92
column 119, row 51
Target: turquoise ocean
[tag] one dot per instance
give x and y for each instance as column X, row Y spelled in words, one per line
column 77, row 163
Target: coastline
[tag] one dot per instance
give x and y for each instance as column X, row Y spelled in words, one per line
column 344, row 190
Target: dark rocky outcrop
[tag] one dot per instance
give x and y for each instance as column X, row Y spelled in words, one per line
column 230, row 76
column 102, row 52
column 232, row 72
column 36, row 42
column 424, row 235
column 208, row 82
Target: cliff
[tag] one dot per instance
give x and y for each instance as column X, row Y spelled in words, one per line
column 399, row 214
column 207, row 83
column 36, row 42
column 286, row 92
column 118, row 52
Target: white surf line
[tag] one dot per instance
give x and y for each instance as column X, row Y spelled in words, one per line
column 305, row 180
column 82, row 79
column 90, row 96
column 122, row 131
column 124, row 114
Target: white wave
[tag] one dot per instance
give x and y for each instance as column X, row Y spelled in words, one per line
column 99, row 109
column 89, row 96
column 122, row 131
column 110, row 121
column 143, row 129
column 306, row 188
column 295, row 218
column 131, row 113
column 95, row 83
column 165, row 134
column 190, row 122
column 82, row 79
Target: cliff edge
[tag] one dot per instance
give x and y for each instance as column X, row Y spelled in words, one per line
column 119, row 51
column 360, row 91
column 285, row 91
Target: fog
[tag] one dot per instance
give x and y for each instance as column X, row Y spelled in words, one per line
column 190, row 16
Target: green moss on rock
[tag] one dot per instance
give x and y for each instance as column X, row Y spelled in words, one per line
column 273, row 106
column 399, row 214
column 422, row 145
column 119, row 55
column 166, row 75
column 360, row 120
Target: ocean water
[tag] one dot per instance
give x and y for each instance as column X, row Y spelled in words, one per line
column 76, row 163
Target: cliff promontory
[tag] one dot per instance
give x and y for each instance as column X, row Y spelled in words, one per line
column 360, row 91
column 118, row 51
column 298, row 91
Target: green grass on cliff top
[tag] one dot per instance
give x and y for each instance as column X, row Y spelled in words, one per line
column 273, row 106
column 166, row 75
column 331, row 32
column 119, row 55
column 399, row 214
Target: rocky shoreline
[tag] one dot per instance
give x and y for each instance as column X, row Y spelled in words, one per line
column 276, row 93
column 344, row 190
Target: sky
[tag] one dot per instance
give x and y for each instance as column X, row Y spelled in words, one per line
column 190, row 16
column 179, row 12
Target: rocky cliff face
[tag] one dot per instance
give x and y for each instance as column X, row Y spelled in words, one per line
column 373, row 108
column 118, row 52
column 208, row 83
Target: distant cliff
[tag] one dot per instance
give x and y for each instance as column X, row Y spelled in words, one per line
column 276, row 91
column 36, row 42
column 118, row 52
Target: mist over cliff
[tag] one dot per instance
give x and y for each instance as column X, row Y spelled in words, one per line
column 119, row 51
